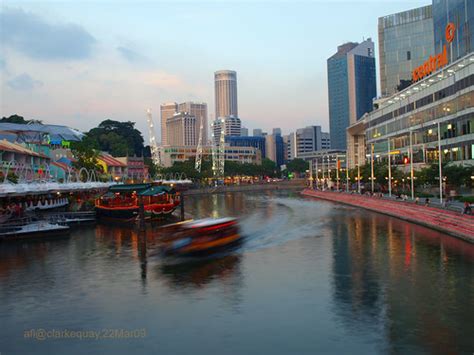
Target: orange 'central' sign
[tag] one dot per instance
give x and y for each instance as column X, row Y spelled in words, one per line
column 437, row 61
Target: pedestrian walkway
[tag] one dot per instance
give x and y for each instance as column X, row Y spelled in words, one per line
column 450, row 222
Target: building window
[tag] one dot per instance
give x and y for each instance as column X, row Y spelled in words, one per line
column 408, row 55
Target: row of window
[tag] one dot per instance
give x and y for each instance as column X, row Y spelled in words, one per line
column 457, row 104
column 438, row 95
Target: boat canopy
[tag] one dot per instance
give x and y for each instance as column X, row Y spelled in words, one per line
column 157, row 190
column 129, row 187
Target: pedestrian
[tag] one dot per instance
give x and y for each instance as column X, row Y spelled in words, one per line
column 427, row 202
column 417, row 199
column 467, row 208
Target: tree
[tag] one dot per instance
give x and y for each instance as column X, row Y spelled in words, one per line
column 297, row 165
column 117, row 138
column 18, row 119
column 86, row 156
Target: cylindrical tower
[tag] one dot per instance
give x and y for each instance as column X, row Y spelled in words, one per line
column 226, row 93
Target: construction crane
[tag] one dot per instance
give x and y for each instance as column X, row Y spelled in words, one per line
column 155, row 151
column 218, row 149
column 198, row 163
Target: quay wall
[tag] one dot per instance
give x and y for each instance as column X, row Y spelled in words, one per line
column 299, row 184
column 449, row 222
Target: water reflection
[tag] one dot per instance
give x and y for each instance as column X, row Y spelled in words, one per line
column 199, row 273
column 310, row 277
column 404, row 280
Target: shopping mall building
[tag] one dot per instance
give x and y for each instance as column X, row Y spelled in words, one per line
column 435, row 115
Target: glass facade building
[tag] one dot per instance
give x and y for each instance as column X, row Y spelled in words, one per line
column 255, row 142
column 351, row 87
column 405, row 41
column 461, row 13
column 444, row 99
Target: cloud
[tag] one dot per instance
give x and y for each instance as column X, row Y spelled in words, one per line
column 24, row 82
column 32, row 36
column 130, row 55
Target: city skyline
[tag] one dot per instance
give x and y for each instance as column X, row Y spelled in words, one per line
column 115, row 67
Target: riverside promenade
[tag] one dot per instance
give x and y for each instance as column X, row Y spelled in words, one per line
column 449, row 222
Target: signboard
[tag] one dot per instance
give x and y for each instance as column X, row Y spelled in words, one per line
column 433, row 63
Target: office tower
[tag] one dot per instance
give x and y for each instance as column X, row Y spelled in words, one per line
column 232, row 127
column 167, row 110
column 244, row 131
column 405, row 41
column 325, row 141
column 181, row 130
column 461, row 14
column 286, row 148
column 276, row 131
column 274, row 148
column 199, row 111
column 257, row 132
column 246, row 141
column 225, row 82
column 306, row 140
column 351, row 87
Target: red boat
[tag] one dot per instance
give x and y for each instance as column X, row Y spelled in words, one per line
column 200, row 236
column 122, row 202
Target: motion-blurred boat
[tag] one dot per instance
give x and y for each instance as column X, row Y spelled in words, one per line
column 200, row 236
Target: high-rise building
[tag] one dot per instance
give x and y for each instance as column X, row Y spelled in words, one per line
column 232, row 127
column 181, row 130
column 167, row 110
column 255, row 142
column 405, row 40
column 225, row 82
column 305, row 140
column 276, row 131
column 461, row 14
column 351, row 87
column 274, row 148
column 198, row 110
column 244, row 131
column 286, row 148
column 257, row 132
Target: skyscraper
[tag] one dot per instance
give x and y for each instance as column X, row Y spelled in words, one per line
column 274, row 148
column 198, row 110
column 225, row 82
column 461, row 14
column 181, row 130
column 167, row 110
column 405, row 40
column 257, row 132
column 351, row 87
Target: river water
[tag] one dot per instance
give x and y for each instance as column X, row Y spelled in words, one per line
column 311, row 277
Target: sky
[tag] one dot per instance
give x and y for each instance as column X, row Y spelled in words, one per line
column 78, row 63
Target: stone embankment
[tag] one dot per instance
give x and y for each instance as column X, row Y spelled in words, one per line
column 449, row 222
column 278, row 185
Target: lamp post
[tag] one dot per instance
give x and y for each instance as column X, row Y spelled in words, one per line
column 347, row 176
column 412, row 181
column 337, row 173
column 358, row 178
column 439, row 165
column 372, row 166
column 389, row 170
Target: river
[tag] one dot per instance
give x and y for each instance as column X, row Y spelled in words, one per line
column 311, row 277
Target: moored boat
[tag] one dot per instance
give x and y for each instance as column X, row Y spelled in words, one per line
column 32, row 230
column 200, row 236
column 121, row 203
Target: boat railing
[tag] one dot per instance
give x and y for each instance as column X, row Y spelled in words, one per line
column 63, row 217
column 15, row 224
